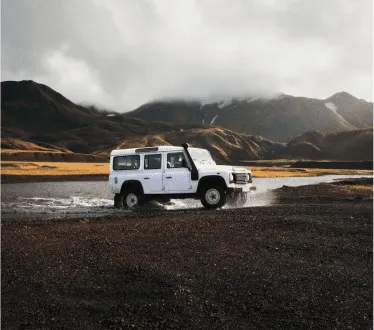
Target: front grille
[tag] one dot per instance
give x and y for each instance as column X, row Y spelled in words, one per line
column 241, row 178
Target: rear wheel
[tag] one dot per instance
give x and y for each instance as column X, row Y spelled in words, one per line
column 132, row 199
column 213, row 197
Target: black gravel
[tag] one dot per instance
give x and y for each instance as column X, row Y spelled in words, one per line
column 281, row 267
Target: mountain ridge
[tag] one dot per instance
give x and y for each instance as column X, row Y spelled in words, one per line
column 279, row 119
column 37, row 117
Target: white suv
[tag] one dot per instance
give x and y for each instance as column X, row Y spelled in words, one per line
column 164, row 172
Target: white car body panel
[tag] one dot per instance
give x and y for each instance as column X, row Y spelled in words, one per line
column 177, row 180
column 152, row 181
column 170, row 180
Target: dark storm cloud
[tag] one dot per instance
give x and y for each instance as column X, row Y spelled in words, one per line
column 121, row 54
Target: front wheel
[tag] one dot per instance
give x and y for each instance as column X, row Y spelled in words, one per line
column 131, row 199
column 213, row 197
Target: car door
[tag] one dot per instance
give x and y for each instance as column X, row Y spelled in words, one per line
column 177, row 177
column 152, row 173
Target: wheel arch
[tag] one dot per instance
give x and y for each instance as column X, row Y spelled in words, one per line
column 211, row 180
column 132, row 184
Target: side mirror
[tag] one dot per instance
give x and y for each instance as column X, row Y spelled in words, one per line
column 184, row 163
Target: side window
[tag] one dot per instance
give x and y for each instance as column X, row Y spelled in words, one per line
column 176, row 160
column 152, row 162
column 131, row 162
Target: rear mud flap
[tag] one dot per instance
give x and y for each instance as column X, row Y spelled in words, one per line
column 118, row 200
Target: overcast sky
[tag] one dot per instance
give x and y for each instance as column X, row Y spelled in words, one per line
column 122, row 53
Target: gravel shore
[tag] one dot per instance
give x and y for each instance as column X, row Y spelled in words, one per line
column 291, row 266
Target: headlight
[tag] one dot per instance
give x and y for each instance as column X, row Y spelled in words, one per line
column 249, row 177
column 231, row 177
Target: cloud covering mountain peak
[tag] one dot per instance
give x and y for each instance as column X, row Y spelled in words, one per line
column 121, row 54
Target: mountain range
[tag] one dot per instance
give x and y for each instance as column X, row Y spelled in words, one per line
column 280, row 118
column 37, row 118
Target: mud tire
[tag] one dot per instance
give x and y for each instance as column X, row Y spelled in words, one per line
column 131, row 199
column 213, row 197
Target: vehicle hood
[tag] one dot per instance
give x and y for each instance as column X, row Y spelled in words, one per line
column 226, row 168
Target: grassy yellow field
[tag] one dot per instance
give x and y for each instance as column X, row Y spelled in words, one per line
column 53, row 168
column 277, row 172
column 67, row 168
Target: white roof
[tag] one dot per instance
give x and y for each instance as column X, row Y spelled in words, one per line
column 132, row 150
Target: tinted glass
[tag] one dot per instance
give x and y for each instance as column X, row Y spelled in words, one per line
column 152, row 162
column 131, row 162
column 175, row 160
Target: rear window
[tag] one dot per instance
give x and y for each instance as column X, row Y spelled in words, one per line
column 152, row 162
column 131, row 162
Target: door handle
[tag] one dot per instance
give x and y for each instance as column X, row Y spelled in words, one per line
column 146, row 178
column 168, row 177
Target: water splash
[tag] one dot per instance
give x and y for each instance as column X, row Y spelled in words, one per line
column 254, row 199
column 92, row 198
column 73, row 204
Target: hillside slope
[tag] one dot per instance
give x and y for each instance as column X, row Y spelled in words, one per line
column 346, row 145
column 36, row 114
column 357, row 112
column 36, row 118
column 225, row 146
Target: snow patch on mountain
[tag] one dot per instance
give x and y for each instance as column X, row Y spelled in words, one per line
column 251, row 99
column 224, row 103
column 333, row 107
column 213, row 120
column 279, row 96
column 205, row 102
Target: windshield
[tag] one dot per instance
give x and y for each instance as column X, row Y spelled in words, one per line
column 201, row 155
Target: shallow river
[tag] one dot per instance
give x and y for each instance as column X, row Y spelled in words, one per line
column 65, row 199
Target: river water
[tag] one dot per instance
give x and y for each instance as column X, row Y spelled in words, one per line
column 92, row 198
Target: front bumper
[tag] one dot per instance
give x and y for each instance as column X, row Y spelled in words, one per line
column 241, row 188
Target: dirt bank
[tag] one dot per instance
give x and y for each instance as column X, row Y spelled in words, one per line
column 282, row 267
column 360, row 165
column 322, row 164
column 349, row 190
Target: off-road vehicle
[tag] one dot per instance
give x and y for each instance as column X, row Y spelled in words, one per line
column 165, row 172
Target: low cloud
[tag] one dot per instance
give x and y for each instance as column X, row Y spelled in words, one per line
column 121, row 54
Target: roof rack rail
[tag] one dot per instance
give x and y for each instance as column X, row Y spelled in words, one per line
column 147, row 149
